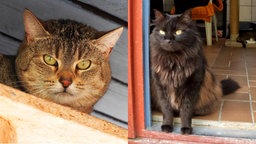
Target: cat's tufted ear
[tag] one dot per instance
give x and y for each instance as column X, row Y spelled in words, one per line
column 158, row 16
column 106, row 42
column 186, row 17
column 33, row 27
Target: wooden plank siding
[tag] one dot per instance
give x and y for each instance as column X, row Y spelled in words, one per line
column 116, row 8
column 8, row 46
column 114, row 103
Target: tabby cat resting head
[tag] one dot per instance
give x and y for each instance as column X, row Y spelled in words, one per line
column 65, row 61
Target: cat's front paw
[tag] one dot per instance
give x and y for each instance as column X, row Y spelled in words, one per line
column 166, row 128
column 186, row 130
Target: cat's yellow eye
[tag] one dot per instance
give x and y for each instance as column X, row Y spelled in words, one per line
column 84, row 64
column 161, row 32
column 50, row 60
column 178, row 32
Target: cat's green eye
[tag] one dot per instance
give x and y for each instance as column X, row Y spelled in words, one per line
column 178, row 32
column 50, row 60
column 161, row 32
column 84, row 64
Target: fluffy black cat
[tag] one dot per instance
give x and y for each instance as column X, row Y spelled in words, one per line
column 181, row 80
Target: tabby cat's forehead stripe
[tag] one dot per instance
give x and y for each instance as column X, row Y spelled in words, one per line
column 62, row 49
column 57, row 51
column 69, row 51
column 75, row 35
column 77, row 53
column 70, row 30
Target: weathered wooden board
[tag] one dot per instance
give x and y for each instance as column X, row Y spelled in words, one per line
column 117, row 8
column 7, row 131
column 12, row 24
column 39, row 121
column 114, row 103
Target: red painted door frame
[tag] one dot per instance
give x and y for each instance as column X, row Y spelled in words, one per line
column 135, row 69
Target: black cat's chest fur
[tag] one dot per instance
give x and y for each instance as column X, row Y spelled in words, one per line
column 173, row 69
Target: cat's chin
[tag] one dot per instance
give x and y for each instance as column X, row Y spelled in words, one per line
column 64, row 94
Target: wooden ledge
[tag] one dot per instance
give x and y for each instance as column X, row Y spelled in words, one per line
column 38, row 120
column 7, row 132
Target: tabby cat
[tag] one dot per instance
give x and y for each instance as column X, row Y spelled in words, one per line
column 181, row 79
column 62, row 61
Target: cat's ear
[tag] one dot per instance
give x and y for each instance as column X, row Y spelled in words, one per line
column 158, row 16
column 33, row 27
column 106, row 42
column 186, row 17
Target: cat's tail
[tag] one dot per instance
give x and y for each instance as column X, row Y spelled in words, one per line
column 229, row 86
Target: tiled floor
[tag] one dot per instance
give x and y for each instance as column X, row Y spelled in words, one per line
column 240, row 65
column 237, row 110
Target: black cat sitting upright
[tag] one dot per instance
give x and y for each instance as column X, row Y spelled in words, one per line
column 181, row 80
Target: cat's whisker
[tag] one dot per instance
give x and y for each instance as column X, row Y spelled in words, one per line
column 38, row 92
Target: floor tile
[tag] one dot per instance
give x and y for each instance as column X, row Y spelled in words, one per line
column 222, row 61
column 220, row 77
column 243, row 89
column 237, row 96
column 253, row 93
column 251, row 71
column 234, row 65
column 236, row 111
column 238, row 72
column 252, row 77
column 237, row 55
column 252, row 83
column 254, row 106
column 251, row 63
column 242, row 80
column 220, row 72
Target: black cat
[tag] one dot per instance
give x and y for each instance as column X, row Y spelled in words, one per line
column 246, row 36
column 181, row 80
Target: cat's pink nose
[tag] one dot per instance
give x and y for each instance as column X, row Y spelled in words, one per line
column 65, row 83
column 66, row 79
